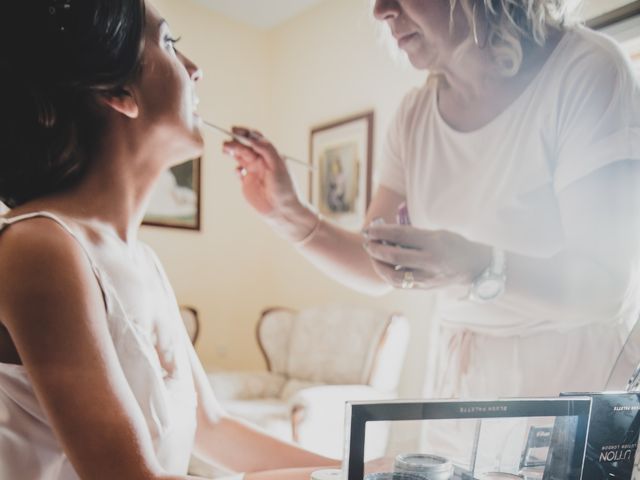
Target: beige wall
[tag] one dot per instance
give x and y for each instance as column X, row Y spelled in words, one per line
column 318, row 67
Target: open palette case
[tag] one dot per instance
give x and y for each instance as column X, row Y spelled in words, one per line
column 489, row 440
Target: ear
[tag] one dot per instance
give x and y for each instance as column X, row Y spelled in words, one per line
column 122, row 100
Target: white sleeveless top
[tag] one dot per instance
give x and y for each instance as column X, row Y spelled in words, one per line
column 28, row 447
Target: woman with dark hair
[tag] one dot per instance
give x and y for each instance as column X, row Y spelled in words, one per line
column 98, row 379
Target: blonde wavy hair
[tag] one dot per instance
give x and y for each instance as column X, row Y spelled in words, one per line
column 508, row 23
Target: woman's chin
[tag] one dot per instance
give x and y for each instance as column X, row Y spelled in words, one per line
column 419, row 62
column 194, row 149
column 198, row 147
column 196, row 138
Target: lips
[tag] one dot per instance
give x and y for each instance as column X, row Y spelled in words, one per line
column 404, row 38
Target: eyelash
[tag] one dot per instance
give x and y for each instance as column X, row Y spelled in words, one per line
column 172, row 41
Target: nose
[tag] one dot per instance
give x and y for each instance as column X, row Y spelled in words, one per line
column 386, row 9
column 195, row 73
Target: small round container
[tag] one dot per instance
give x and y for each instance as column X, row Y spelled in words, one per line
column 500, row 476
column 430, row 467
column 394, row 476
column 327, row 474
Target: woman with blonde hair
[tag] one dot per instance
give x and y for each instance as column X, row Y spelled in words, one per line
column 98, row 378
column 518, row 163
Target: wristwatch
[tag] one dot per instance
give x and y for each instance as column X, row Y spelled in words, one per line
column 490, row 284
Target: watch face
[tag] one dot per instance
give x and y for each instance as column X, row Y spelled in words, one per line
column 489, row 288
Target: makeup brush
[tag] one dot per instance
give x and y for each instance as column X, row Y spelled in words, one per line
column 242, row 139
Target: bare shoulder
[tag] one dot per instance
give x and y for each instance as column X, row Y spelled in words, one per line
column 39, row 259
column 53, row 308
column 39, row 243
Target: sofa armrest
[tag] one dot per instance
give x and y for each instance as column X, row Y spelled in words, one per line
column 246, row 385
column 322, row 394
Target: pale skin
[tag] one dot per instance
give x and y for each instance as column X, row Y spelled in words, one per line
column 52, row 312
column 586, row 277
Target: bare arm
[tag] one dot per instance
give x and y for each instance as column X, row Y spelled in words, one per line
column 337, row 252
column 588, row 277
column 55, row 313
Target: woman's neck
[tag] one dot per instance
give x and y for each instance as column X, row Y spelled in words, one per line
column 117, row 199
column 113, row 192
column 473, row 92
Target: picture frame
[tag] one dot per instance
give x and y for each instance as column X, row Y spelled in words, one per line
column 341, row 155
column 175, row 201
column 623, row 24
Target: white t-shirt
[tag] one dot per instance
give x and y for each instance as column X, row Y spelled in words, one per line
column 498, row 185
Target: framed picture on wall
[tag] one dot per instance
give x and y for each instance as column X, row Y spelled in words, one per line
column 623, row 24
column 341, row 159
column 175, row 201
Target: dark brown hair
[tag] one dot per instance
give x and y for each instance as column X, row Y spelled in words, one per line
column 60, row 55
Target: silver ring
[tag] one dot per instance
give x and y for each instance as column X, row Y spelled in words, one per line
column 407, row 280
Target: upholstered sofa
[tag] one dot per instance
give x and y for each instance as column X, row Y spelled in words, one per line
column 316, row 360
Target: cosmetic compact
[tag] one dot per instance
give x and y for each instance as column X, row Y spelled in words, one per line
column 430, row 467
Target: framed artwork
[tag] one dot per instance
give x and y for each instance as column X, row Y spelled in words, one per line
column 623, row 24
column 175, row 201
column 341, row 160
